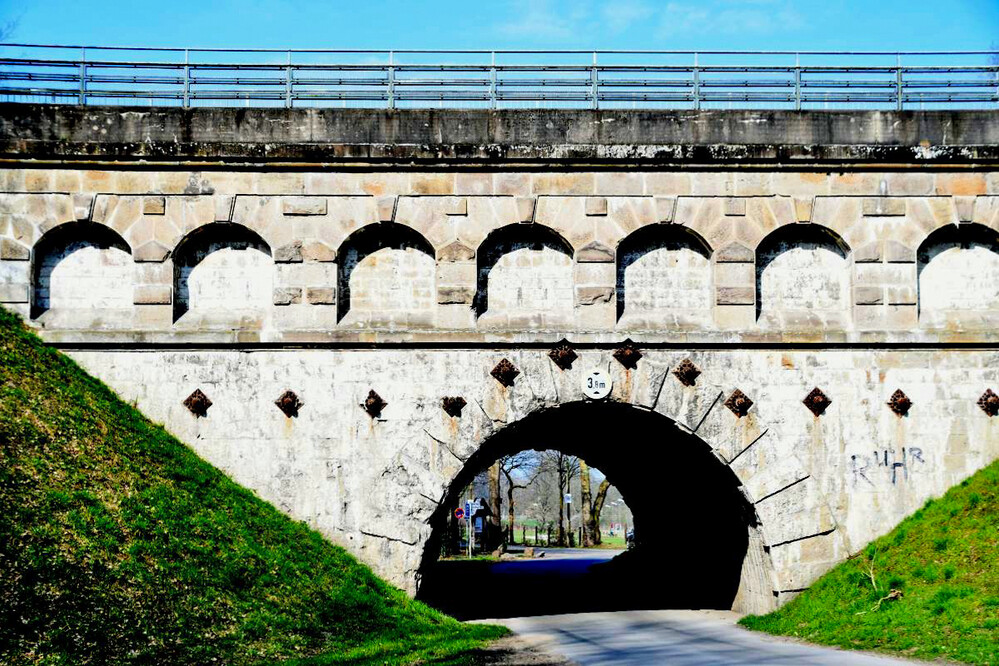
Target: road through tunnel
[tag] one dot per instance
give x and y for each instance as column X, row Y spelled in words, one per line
column 697, row 541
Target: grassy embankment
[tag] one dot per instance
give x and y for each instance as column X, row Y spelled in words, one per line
column 119, row 545
column 929, row 589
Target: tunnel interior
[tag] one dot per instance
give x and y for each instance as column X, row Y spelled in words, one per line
column 692, row 522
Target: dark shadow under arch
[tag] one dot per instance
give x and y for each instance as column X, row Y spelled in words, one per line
column 508, row 239
column 200, row 243
column 651, row 238
column 964, row 236
column 65, row 239
column 365, row 241
column 692, row 520
column 782, row 239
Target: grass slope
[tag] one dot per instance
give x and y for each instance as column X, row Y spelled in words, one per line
column 943, row 559
column 119, row 545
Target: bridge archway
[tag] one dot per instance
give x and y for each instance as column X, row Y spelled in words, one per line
column 386, row 268
column 802, row 277
column 81, row 265
column 697, row 532
column 524, row 269
column 956, row 267
column 664, row 268
column 222, row 267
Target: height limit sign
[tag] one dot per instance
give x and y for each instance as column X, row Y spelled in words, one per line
column 596, row 384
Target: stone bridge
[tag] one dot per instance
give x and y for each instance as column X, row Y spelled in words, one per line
column 352, row 312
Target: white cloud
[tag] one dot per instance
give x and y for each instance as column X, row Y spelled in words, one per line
column 620, row 15
column 756, row 17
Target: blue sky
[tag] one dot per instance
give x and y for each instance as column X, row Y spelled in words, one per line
column 604, row 24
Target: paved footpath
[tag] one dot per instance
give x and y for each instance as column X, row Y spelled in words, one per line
column 681, row 638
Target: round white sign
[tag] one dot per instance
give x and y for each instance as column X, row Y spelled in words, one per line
column 596, row 384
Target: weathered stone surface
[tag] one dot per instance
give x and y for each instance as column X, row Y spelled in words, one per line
column 289, row 254
column 456, row 251
column 287, row 295
column 596, row 206
column 735, row 253
column 154, row 205
column 320, row 295
column 303, row 205
column 449, row 295
column 429, row 311
column 319, row 252
column 595, row 252
column 884, row 207
column 153, row 294
column 13, row 251
column 152, row 252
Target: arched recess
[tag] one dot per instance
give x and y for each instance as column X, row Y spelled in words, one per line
column 383, row 270
column 957, row 269
column 698, row 534
column 222, row 270
column 802, row 276
column 524, row 269
column 81, row 265
column 664, row 269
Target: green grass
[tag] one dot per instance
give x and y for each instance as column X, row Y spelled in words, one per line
column 943, row 560
column 118, row 545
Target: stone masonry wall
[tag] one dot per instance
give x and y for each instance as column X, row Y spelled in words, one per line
column 773, row 282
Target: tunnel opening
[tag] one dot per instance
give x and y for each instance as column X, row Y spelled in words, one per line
column 695, row 533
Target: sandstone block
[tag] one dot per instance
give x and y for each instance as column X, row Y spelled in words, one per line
column 319, row 252
column 883, row 207
column 595, row 252
column 152, row 294
column 901, row 296
column 868, row 254
column 868, row 295
column 154, row 205
column 13, row 251
column 896, row 253
column 592, row 295
column 595, row 206
column 448, row 295
column 735, row 253
column 289, row 254
column 151, row 252
column 287, row 295
column 734, row 207
column 82, row 206
column 735, row 296
column 320, row 295
column 665, row 207
column 456, row 206
column 455, row 251
column 386, row 208
column 525, row 208
column 303, row 205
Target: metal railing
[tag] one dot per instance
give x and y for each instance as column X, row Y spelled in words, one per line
column 498, row 79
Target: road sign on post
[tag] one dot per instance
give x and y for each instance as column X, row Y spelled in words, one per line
column 459, row 513
column 568, row 498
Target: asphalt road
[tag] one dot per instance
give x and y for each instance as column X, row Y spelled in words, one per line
column 671, row 637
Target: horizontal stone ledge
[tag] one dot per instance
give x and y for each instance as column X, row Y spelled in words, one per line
column 323, row 136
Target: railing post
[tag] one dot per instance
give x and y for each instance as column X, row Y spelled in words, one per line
column 492, row 80
column 287, row 82
column 697, row 84
column 594, row 84
column 187, row 79
column 898, row 82
column 391, row 80
column 83, row 77
column 797, row 82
